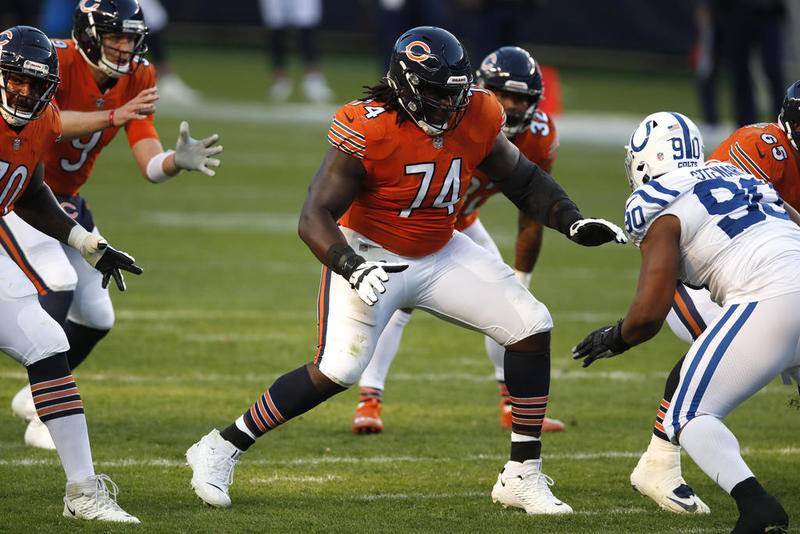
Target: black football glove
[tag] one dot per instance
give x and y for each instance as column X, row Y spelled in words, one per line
column 594, row 232
column 604, row 342
column 112, row 263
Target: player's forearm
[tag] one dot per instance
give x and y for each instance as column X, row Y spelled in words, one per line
column 78, row 123
column 793, row 214
column 319, row 231
column 40, row 209
column 528, row 245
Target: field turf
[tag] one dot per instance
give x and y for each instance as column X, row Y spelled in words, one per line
column 227, row 303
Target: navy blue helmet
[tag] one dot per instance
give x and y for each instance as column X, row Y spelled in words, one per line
column 95, row 18
column 430, row 72
column 513, row 70
column 789, row 116
column 28, row 74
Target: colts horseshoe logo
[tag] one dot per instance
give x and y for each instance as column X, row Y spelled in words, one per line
column 418, row 51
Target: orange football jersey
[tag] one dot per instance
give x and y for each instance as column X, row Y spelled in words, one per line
column 414, row 183
column 21, row 152
column 764, row 151
column 538, row 143
column 69, row 165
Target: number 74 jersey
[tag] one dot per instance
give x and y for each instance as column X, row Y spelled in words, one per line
column 735, row 234
column 414, row 184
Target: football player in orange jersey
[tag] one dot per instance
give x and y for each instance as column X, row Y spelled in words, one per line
column 515, row 79
column 105, row 85
column 769, row 152
column 384, row 202
column 29, row 127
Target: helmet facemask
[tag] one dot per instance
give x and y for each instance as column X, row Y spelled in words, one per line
column 435, row 108
column 789, row 120
column 112, row 61
column 518, row 120
column 23, row 95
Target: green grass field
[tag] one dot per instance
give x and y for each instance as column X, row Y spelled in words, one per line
column 227, row 303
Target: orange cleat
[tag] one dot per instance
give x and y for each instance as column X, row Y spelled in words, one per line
column 548, row 425
column 367, row 419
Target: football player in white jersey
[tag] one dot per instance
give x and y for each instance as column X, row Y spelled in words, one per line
column 719, row 227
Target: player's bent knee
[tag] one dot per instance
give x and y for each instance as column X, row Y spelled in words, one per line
column 39, row 335
column 98, row 315
column 344, row 371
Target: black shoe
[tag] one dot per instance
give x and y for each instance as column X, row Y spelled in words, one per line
column 761, row 514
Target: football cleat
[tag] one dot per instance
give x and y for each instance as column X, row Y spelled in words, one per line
column 315, row 88
column 548, row 425
column 213, row 460
column 658, row 476
column 523, row 485
column 22, row 404
column 367, row 419
column 37, row 435
column 95, row 499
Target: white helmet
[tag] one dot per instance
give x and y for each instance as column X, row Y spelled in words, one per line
column 663, row 142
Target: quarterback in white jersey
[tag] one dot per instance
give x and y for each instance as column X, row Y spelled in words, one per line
column 718, row 227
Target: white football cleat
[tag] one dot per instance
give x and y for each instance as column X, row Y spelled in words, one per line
column 95, row 499
column 523, row 485
column 37, row 435
column 658, row 476
column 213, row 460
column 281, row 89
column 22, row 404
column 315, row 88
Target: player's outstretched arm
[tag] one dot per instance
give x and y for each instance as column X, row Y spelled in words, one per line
column 39, row 208
column 654, row 295
column 332, row 190
column 79, row 123
column 541, row 198
column 190, row 154
column 528, row 246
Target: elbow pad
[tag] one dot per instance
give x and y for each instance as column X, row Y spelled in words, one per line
column 535, row 193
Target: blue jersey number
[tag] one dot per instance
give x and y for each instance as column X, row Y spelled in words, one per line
column 747, row 197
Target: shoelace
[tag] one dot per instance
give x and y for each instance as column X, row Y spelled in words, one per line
column 105, row 496
column 220, row 465
column 534, row 481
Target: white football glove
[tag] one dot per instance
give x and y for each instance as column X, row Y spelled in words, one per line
column 194, row 154
column 594, row 232
column 368, row 278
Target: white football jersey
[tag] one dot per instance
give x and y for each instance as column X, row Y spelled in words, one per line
column 736, row 238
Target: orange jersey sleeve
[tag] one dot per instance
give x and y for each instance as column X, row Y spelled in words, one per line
column 538, row 143
column 21, row 152
column 414, row 183
column 764, row 151
column 70, row 163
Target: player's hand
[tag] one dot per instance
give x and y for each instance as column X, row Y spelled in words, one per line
column 139, row 107
column 604, row 342
column 195, row 154
column 112, row 263
column 368, row 277
column 594, row 232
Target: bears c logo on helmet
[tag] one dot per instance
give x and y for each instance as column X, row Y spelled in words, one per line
column 422, row 53
column 6, row 37
column 87, row 6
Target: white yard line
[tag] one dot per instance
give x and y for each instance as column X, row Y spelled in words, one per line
column 344, row 460
column 602, row 129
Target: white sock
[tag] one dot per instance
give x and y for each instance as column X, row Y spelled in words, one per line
column 374, row 375
column 497, row 354
column 240, row 424
column 659, row 446
column 715, row 450
column 522, row 437
column 71, row 438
